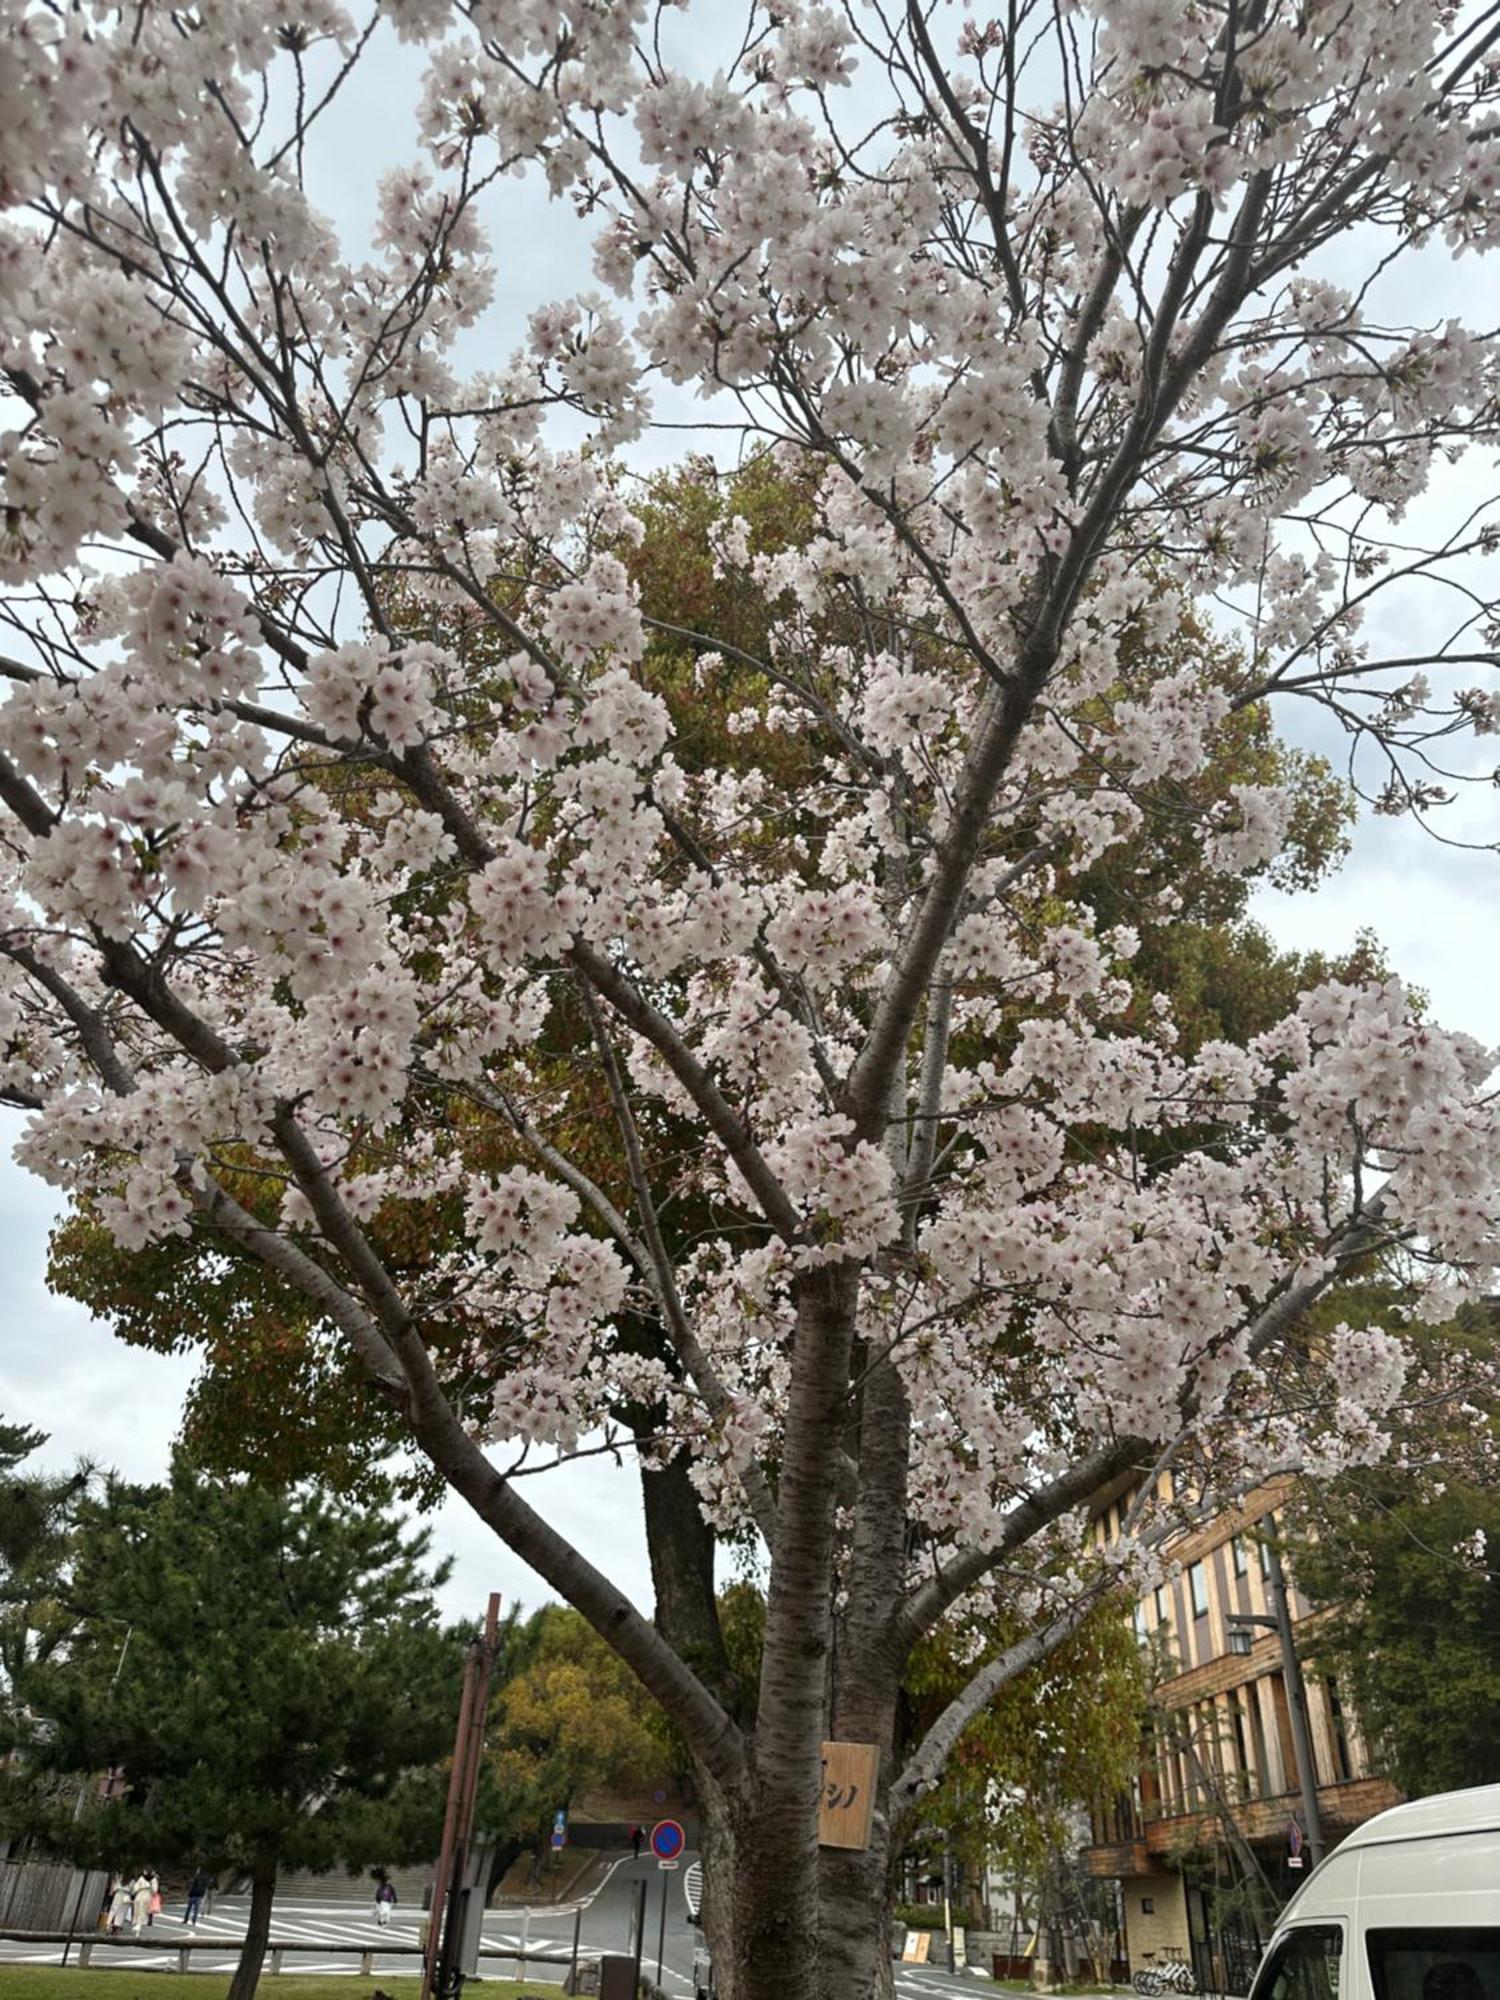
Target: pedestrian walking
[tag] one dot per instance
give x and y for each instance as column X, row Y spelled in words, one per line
column 385, row 1901
column 121, row 1902
column 155, row 1910
column 197, row 1889
column 637, row 1835
column 140, row 1902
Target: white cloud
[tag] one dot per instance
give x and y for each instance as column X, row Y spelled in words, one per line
column 595, row 1504
column 66, row 1373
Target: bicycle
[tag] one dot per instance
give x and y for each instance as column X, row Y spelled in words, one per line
column 1154, row 1980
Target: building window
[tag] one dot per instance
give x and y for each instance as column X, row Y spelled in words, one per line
column 1237, row 1551
column 1338, row 1729
column 1260, row 1767
column 1163, row 1615
column 1148, row 1906
column 1267, row 1529
column 1286, row 1748
column 1140, row 1623
column 1198, row 1589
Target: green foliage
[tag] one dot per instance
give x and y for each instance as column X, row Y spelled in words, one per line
column 266, row 1669
column 18, row 1442
column 1411, row 1621
column 277, row 1397
column 571, row 1720
column 37, row 1515
column 1064, row 1735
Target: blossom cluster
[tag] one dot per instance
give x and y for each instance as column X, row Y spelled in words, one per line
column 383, row 825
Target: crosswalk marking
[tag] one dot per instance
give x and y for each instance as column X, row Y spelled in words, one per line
column 327, row 1938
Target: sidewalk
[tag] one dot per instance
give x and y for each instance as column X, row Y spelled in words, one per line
column 578, row 1871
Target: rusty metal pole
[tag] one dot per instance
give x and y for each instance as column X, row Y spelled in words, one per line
column 453, row 1922
column 458, row 1818
column 445, row 1848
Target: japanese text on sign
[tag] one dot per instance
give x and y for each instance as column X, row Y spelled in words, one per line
column 847, row 1802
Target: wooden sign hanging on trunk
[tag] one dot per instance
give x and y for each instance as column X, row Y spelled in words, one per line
column 847, row 1803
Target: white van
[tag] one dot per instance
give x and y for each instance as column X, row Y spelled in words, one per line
column 1407, row 1908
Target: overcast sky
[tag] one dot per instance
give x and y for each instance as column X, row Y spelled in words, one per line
column 1431, row 905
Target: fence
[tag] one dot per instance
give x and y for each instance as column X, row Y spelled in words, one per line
column 45, row 1895
column 88, row 1943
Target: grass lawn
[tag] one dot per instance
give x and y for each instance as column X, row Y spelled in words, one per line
column 56, row 1982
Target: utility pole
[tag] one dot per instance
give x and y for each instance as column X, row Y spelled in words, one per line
column 1296, row 1694
column 1236, row 1623
column 446, row 1919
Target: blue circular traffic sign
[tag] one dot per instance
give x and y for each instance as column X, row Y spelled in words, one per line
column 667, row 1840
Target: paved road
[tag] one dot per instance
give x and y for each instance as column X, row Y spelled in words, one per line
column 348, row 1926
column 922, row 1982
column 607, row 1919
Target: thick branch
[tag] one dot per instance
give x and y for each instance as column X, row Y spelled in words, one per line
column 709, row 1732
column 926, row 1604
column 612, row 985
column 661, row 1275
column 924, row 1769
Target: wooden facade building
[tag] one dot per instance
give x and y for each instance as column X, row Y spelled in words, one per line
column 1211, row 1833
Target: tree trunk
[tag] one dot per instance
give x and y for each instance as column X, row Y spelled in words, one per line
column 832, row 1940
column 830, row 1943
column 774, row 1818
column 856, row 1888
column 681, row 1546
column 723, row 1912
column 855, row 1892
column 257, row 1930
column 786, row 1919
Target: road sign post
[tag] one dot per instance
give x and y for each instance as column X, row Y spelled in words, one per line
column 667, row 1843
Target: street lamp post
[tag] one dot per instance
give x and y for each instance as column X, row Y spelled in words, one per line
column 1237, row 1624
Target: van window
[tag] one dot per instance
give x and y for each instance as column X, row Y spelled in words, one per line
column 1304, row 1965
column 1435, row 1964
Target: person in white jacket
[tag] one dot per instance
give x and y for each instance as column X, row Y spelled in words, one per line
column 121, row 1903
column 142, row 1889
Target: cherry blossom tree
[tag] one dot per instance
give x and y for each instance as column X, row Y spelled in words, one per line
column 333, row 773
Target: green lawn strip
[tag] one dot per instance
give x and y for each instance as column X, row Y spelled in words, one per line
column 57, row 1982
